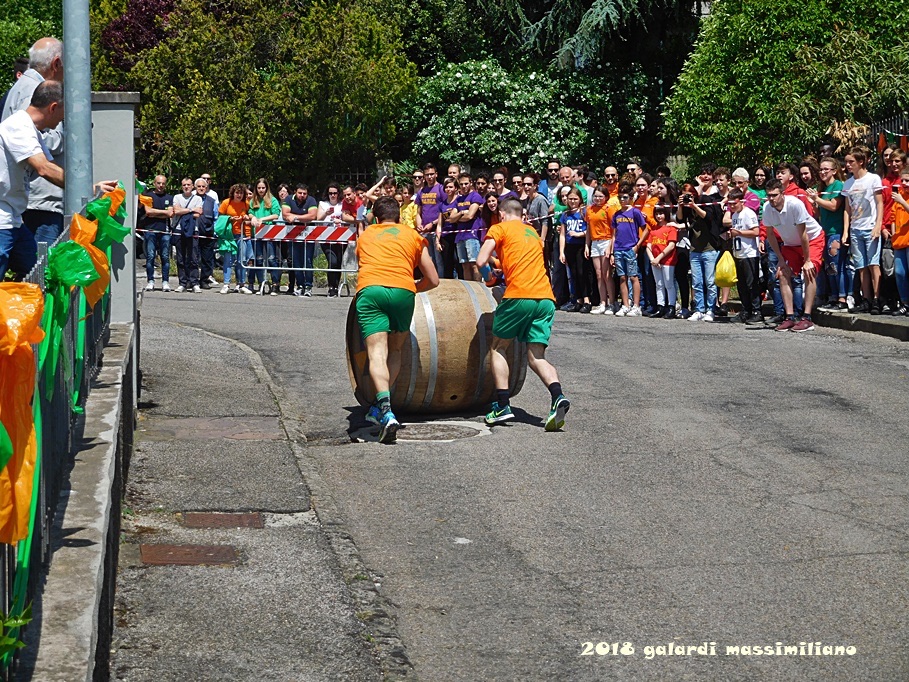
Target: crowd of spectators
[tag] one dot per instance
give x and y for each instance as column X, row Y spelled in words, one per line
column 820, row 232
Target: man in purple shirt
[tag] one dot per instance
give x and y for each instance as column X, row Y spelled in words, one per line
column 427, row 201
column 467, row 239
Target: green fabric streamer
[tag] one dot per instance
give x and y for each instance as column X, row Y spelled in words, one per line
column 69, row 264
column 79, row 355
column 227, row 240
column 109, row 229
column 6, row 447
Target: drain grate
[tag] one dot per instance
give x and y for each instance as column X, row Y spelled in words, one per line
column 223, row 520
column 188, row 555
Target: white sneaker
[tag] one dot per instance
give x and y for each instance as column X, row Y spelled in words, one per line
column 180, row 289
column 850, row 301
column 224, row 290
column 165, row 286
column 212, row 280
column 197, row 289
column 707, row 317
column 598, row 310
column 273, row 292
column 150, row 286
column 609, row 310
column 245, row 290
column 623, row 311
column 634, row 312
column 696, row 316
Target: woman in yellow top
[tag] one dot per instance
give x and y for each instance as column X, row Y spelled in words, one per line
column 237, row 208
column 408, row 207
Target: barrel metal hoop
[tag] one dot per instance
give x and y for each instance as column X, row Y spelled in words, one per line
column 414, row 361
column 481, row 337
column 433, row 350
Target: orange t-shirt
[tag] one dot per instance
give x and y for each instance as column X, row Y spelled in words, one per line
column 599, row 222
column 235, row 209
column 521, row 251
column 900, row 237
column 646, row 207
column 388, row 255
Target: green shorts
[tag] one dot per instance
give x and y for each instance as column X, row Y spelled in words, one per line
column 384, row 309
column 527, row 319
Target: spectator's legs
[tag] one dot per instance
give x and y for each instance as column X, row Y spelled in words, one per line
column 773, row 283
column 46, row 226
column 18, row 251
column 709, row 259
column 682, row 270
column 151, row 250
column 274, row 261
column 163, row 240
column 239, row 270
column 559, row 277
column 901, row 272
column 668, row 272
column 189, row 256
column 334, row 254
column 698, row 281
column 206, row 258
column 660, row 286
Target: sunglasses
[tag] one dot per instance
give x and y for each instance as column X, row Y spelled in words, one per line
column 498, row 179
column 611, row 175
column 330, row 193
column 529, row 184
column 417, row 177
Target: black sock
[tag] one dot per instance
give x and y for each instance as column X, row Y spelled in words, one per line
column 806, row 317
column 555, row 390
column 503, row 398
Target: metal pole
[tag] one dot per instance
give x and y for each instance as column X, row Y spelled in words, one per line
column 77, row 101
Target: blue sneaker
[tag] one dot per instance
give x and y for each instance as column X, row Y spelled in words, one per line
column 499, row 416
column 374, row 415
column 390, row 426
column 556, row 418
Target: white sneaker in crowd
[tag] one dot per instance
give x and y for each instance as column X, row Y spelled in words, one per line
column 598, row 310
column 623, row 311
column 180, row 289
column 245, row 290
column 696, row 317
column 212, row 280
column 610, row 310
column 197, row 289
column 165, row 286
column 634, row 312
column 224, row 290
column 150, row 286
column 707, row 317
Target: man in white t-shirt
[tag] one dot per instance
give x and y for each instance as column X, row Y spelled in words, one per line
column 23, row 157
column 865, row 208
column 800, row 254
column 743, row 230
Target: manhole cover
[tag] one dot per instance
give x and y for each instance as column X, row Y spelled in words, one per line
column 432, row 431
column 223, row 520
column 435, row 431
column 188, row 555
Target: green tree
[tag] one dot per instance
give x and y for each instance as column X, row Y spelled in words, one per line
column 767, row 78
column 22, row 22
column 251, row 88
column 478, row 112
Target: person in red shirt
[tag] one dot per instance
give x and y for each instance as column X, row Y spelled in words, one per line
column 662, row 254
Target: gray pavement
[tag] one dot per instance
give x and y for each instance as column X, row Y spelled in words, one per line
column 715, row 483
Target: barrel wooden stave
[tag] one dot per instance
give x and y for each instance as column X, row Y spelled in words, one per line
column 445, row 361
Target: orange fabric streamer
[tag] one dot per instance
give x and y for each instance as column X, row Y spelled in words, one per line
column 116, row 198
column 83, row 231
column 146, row 201
column 21, row 309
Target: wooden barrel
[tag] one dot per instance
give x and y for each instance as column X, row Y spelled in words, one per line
column 445, row 361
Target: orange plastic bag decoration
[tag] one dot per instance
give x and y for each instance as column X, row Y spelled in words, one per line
column 21, row 309
column 83, row 231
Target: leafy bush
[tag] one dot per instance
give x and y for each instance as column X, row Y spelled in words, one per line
column 479, row 113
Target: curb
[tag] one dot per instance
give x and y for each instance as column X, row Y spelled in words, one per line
column 374, row 610
column 879, row 325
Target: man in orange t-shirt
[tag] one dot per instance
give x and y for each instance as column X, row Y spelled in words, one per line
column 388, row 253
column 525, row 313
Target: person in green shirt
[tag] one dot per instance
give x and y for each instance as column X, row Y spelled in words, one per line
column 832, row 217
column 264, row 208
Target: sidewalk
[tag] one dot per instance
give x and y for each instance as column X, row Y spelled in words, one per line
column 269, row 600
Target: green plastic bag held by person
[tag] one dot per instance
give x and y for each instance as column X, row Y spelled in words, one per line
column 725, row 270
column 227, row 241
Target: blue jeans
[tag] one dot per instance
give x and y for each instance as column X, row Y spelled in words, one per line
column 273, row 253
column 435, row 253
column 798, row 291
column 157, row 244
column 18, row 251
column 703, row 273
column 302, row 254
column 901, row 271
column 838, row 269
column 255, row 253
column 45, row 225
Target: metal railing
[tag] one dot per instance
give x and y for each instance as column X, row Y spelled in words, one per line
column 78, row 365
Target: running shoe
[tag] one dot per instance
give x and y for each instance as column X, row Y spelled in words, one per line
column 374, row 415
column 499, row 416
column 557, row 412
column 390, row 426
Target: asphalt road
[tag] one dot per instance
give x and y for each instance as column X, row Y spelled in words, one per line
column 714, row 483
